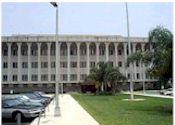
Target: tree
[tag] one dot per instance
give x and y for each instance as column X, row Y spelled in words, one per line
column 158, row 59
column 104, row 75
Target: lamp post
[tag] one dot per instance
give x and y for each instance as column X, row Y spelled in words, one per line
column 57, row 108
column 129, row 47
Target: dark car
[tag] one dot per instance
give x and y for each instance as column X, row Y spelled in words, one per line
column 41, row 94
column 44, row 101
column 12, row 107
column 23, row 98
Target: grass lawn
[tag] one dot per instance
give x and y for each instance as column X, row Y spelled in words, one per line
column 112, row 110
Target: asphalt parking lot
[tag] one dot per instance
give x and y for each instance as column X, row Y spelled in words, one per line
column 7, row 121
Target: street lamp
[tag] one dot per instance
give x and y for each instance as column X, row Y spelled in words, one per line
column 129, row 47
column 57, row 108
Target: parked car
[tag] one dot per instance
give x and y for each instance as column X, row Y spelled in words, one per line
column 12, row 107
column 168, row 91
column 41, row 94
column 33, row 96
column 24, row 98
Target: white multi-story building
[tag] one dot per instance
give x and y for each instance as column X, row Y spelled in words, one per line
column 37, row 60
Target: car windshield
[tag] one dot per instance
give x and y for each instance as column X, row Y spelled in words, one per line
column 30, row 95
column 11, row 103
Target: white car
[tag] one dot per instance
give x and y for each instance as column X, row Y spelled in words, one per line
column 167, row 92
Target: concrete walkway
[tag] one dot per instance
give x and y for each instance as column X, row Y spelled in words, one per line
column 71, row 114
column 149, row 95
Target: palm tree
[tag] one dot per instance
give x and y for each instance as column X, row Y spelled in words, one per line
column 105, row 75
column 159, row 58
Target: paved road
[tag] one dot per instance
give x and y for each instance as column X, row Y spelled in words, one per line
column 12, row 122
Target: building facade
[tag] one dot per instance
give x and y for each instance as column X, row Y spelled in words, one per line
column 38, row 60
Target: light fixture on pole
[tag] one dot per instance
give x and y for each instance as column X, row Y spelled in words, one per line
column 57, row 108
column 129, row 47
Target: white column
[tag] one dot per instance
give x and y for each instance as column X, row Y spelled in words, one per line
column 9, row 62
column 78, row 62
column 134, row 72
column 88, row 60
column 48, row 60
column 29, row 61
column 68, row 61
column 19, row 62
column 125, row 58
column 39, row 62
column 116, row 54
column 57, row 59
column 142, row 68
column 107, row 51
column 97, row 52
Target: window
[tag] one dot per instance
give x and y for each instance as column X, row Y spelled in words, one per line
column 43, row 52
column 44, row 64
column 24, row 77
column 82, row 52
column 24, row 52
column 5, row 65
column 34, row 64
column 63, row 64
column 34, row 52
column 92, row 64
column 102, row 51
column 111, row 51
column 138, row 76
column 52, row 52
column 53, row 77
column 24, row 65
column 137, row 63
column 73, row 77
column 5, row 77
column 73, row 52
column 44, row 77
column 83, row 76
column 82, row 64
column 92, row 51
column 129, row 76
column 119, row 52
column 14, row 52
column 73, row 64
column 64, row 77
column 14, row 77
column 120, row 64
column 52, row 64
column 5, row 52
column 34, row 77
column 15, row 65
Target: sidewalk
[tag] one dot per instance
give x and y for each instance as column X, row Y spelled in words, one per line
column 71, row 114
column 149, row 95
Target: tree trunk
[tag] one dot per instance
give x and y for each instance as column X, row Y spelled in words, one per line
column 102, row 87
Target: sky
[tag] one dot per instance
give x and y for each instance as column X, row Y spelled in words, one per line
column 85, row 18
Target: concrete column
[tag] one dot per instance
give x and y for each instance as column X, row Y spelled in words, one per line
column 88, row 60
column 9, row 62
column 116, row 54
column 48, row 60
column 78, row 62
column 68, row 60
column 29, row 61
column 134, row 72
column 19, row 62
column 57, row 59
column 97, row 52
column 142, row 68
column 107, row 51
column 39, row 62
